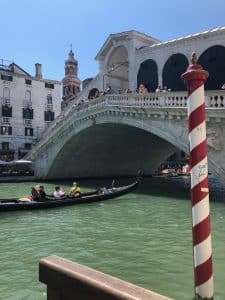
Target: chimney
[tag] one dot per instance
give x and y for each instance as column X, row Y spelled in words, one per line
column 38, row 71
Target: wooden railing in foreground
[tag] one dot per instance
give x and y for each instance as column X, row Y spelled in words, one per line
column 67, row 280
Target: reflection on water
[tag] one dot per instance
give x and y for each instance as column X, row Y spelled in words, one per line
column 143, row 237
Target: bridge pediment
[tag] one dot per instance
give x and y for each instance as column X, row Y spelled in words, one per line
column 120, row 38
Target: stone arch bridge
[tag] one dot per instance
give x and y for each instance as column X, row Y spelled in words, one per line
column 115, row 135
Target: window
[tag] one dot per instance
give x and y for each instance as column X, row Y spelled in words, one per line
column 28, row 81
column 5, row 146
column 28, row 113
column 49, row 116
column 28, row 96
column 6, row 77
column 6, row 93
column 29, row 131
column 49, row 85
column 27, row 102
column 6, row 110
column 27, row 146
column 6, row 130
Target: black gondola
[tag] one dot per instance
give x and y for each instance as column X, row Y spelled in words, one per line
column 99, row 195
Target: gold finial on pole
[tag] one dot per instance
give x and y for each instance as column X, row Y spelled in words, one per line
column 194, row 58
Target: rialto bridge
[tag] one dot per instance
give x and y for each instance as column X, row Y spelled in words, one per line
column 119, row 134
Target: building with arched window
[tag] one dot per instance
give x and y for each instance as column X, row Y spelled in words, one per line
column 28, row 105
column 131, row 58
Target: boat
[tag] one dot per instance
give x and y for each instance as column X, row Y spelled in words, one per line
column 97, row 195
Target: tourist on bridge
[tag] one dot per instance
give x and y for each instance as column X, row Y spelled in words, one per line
column 142, row 89
column 158, row 89
column 93, row 93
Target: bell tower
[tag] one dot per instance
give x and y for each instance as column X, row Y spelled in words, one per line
column 71, row 83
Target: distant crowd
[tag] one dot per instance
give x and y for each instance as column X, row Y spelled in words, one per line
column 96, row 93
column 142, row 89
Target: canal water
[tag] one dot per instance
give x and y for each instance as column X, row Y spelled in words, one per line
column 143, row 237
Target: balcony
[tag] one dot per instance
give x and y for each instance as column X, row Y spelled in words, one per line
column 28, row 123
column 5, row 121
column 49, row 107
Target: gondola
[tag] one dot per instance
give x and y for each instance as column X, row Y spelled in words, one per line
column 97, row 195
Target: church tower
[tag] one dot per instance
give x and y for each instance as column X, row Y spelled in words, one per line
column 71, row 83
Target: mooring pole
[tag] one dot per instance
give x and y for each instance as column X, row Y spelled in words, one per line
column 194, row 78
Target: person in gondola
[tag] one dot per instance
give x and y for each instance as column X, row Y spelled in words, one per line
column 35, row 193
column 58, row 193
column 42, row 193
column 38, row 193
column 75, row 190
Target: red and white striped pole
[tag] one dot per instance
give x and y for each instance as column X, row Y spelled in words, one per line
column 194, row 79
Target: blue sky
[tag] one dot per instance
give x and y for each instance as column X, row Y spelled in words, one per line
column 42, row 31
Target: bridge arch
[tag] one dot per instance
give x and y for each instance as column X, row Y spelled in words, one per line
column 111, row 145
column 117, row 66
column 148, row 75
column 213, row 60
column 172, row 70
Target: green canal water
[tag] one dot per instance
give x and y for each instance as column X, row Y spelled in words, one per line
column 143, row 237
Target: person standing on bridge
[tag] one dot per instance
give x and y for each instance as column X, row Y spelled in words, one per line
column 142, row 89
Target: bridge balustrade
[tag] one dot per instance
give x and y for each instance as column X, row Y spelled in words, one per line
column 216, row 99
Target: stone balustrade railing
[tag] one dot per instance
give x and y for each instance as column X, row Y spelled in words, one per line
column 213, row 99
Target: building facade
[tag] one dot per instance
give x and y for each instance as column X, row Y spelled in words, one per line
column 28, row 105
column 130, row 58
